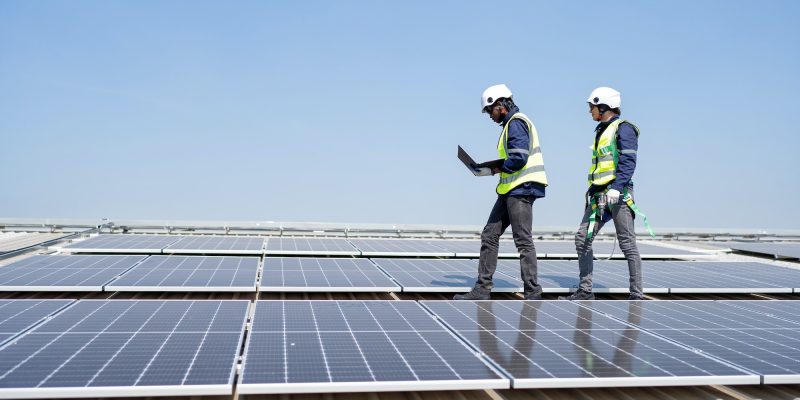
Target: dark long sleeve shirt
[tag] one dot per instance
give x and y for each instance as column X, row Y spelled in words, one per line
column 517, row 155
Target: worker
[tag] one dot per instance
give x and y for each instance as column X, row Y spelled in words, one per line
column 522, row 181
column 610, row 194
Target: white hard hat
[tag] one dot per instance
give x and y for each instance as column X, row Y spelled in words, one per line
column 605, row 95
column 493, row 93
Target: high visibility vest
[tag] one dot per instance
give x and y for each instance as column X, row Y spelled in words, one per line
column 605, row 155
column 534, row 168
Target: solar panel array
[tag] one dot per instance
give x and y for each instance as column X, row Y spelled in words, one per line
column 217, row 244
column 310, row 246
column 190, row 273
column 755, row 341
column 285, row 274
column 336, row 346
column 561, row 344
column 778, row 250
column 124, row 348
column 64, row 273
column 148, row 244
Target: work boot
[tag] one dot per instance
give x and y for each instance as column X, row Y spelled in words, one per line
column 578, row 295
column 635, row 296
column 477, row 293
column 533, row 296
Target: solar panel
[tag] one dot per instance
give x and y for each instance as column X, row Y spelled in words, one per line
column 282, row 274
column 310, row 246
column 113, row 243
column 356, row 346
column 98, row 348
column 11, row 241
column 603, row 249
column 445, row 275
column 399, row 248
column 778, row 250
column 64, row 273
column 201, row 244
column 190, row 274
column 472, row 248
column 560, row 344
column 17, row 316
column 767, row 346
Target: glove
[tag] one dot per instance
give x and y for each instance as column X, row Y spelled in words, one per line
column 612, row 196
column 483, row 171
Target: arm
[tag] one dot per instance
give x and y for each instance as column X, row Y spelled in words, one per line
column 518, row 146
column 628, row 144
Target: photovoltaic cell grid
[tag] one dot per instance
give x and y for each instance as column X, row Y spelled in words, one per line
column 447, row 275
column 782, row 309
column 399, row 247
column 127, row 348
column 310, row 246
column 356, row 346
column 560, row 344
column 190, row 273
column 768, row 346
column 216, row 245
column 284, row 274
column 113, row 243
column 778, row 250
column 17, row 316
column 64, row 273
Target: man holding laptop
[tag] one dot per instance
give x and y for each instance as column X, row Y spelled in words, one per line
column 522, row 181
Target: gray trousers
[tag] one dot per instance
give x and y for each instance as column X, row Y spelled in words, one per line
column 518, row 213
column 626, row 237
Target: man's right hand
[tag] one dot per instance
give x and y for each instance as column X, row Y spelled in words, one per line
column 482, row 171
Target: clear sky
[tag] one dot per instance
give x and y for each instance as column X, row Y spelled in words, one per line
column 351, row 111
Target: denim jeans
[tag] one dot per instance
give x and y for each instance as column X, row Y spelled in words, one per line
column 516, row 211
column 623, row 222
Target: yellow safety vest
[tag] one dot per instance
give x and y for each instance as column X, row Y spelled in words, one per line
column 534, row 168
column 605, row 155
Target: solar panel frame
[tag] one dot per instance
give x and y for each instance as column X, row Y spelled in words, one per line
column 49, row 334
column 365, row 271
column 20, row 315
column 215, row 244
column 778, row 250
column 309, row 246
column 394, row 333
column 122, row 243
column 399, row 248
column 710, row 327
column 408, row 272
column 520, row 340
column 171, row 268
column 66, row 273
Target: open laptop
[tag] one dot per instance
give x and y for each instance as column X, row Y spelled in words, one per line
column 472, row 165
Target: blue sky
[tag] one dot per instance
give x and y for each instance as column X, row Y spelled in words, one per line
column 351, row 111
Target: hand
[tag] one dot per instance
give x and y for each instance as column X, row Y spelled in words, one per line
column 482, row 172
column 612, row 196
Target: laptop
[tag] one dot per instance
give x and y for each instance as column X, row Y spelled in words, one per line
column 472, row 165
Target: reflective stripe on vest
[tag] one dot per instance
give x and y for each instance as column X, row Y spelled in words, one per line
column 534, row 168
column 605, row 155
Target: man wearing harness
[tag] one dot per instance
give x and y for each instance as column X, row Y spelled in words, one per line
column 522, row 181
column 610, row 185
